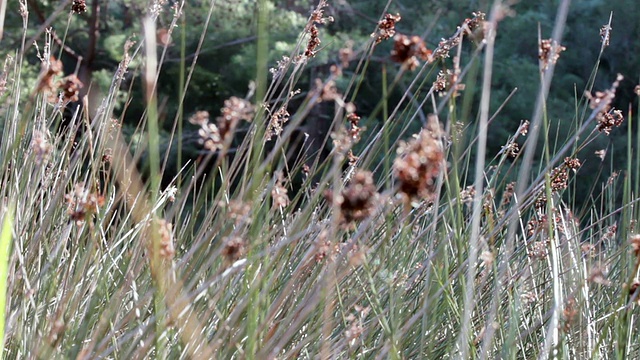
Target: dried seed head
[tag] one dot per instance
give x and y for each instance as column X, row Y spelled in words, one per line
column 559, row 178
column 82, row 203
column 50, row 70
column 572, row 163
column 279, row 193
column 549, row 52
column 609, row 120
column 605, row 34
column 41, row 147
column 70, row 87
column 387, row 27
column 358, row 199
column 276, row 123
column 408, row 50
column 512, row 149
column 354, row 128
column 214, row 136
column 233, row 248
column 538, row 250
column 418, row 165
column 78, row 6
column 524, row 127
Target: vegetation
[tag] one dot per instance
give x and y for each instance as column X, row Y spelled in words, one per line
column 366, row 195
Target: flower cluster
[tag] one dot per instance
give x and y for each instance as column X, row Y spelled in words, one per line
column 82, row 203
column 512, row 149
column 233, row 248
column 276, row 123
column 387, row 27
column 605, row 34
column 317, row 18
column 78, row 6
column 48, row 74
column 279, row 193
column 354, row 128
column 549, row 52
column 41, row 146
column 70, row 87
column 419, row 164
column 469, row 26
column 407, row 51
column 214, row 136
column 357, row 200
column 607, row 116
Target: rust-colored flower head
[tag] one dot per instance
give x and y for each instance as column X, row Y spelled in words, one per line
column 508, row 193
column 538, row 250
column 549, row 52
column 82, row 203
column 559, row 178
column 387, row 27
column 70, row 87
column 512, row 149
column 601, row 100
column 317, row 18
column 476, row 22
column 609, row 120
column 418, row 165
column 214, row 136
column 354, row 128
column 524, row 128
column 541, row 202
column 78, row 6
column 358, row 199
column 233, row 248
column 605, row 35
column 313, row 43
column 276, row 123
column 50, row 70
column 572, row 163
column 408, row 50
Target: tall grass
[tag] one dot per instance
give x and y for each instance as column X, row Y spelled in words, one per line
column 382, row 250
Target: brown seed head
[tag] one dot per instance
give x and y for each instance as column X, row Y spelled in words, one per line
column 387, row 27
column 78, row 6
column 549, row 52
column 408, row 50
column 358, row 199
column 418, row 165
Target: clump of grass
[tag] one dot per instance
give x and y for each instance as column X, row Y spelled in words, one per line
column 419, row 258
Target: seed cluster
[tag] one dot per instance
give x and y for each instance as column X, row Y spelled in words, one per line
column 419, row 164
